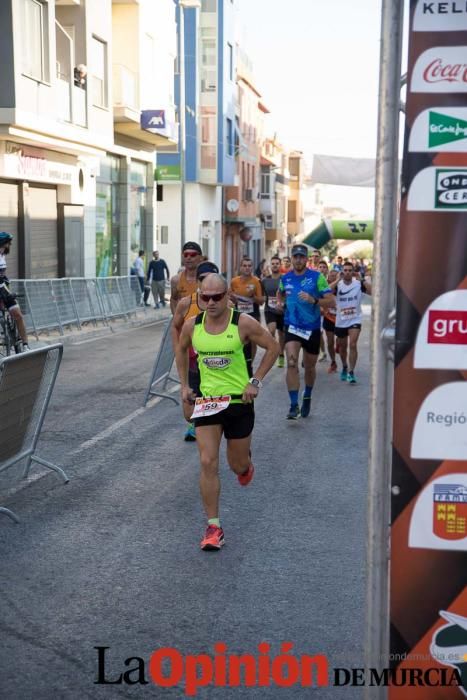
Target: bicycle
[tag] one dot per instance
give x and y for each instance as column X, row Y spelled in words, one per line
column 9, row 334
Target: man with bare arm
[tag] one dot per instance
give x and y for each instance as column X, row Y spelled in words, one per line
column 219, row 336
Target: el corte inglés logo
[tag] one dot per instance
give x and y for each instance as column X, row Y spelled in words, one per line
column 445, row 129
column 451, row 189
column 216, row 362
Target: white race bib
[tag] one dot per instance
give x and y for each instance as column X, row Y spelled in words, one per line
column 245, row 306
column 210, row 405
column 301, row 332
column 272, row 303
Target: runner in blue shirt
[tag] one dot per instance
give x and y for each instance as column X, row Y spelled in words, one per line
column 304, row 292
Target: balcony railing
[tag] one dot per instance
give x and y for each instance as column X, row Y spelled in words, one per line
column 125, row 87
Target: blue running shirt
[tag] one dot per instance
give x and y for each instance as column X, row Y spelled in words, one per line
column 301, row 313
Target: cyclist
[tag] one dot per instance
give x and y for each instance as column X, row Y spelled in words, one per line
column 6, row 296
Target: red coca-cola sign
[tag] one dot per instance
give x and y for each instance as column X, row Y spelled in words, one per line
column 438, row 71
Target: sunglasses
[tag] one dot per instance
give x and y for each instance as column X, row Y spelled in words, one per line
column 215, row 297
column 190, row 253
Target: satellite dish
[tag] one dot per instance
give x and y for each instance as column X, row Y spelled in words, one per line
column 232, row 205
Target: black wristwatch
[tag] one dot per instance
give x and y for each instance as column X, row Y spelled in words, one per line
column 316, row 301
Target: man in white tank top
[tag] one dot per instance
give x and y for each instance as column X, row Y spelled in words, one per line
column 349, row 292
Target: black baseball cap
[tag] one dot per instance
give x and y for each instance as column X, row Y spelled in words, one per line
column 300, row 249
column 192, row 245
column 206, row 268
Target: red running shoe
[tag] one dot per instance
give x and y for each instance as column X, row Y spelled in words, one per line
column 213, row 539
column 332, row 368
column 245, row 478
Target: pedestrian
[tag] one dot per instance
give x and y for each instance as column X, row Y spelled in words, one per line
column 188, row 307
column 157, row 274
column 274, row 316
column 305, row 292
column 184, row 283
column 349, row 318
column 225, row 407
column 138, row 266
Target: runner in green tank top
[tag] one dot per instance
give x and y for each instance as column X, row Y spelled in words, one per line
column 221, row 337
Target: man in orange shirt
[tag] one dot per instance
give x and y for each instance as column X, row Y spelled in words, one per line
column 184, row 283
column 247, row 294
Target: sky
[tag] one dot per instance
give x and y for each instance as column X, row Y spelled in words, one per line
column 316, row 64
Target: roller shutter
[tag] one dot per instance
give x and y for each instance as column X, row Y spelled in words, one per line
column 9, row 223
column 44, row 241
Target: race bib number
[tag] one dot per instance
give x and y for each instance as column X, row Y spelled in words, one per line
column 301, row 332
column 245, row 306
column 209, row 406
column 272, row 303
column 349, row 312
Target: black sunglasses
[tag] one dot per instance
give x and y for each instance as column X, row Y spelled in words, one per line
column 215, row 297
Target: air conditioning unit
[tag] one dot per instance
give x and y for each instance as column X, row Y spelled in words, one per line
column 268, row 221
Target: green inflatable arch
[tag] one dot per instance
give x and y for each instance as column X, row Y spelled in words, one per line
column 342, row 229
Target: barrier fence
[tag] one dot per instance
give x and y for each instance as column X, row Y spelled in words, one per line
column 52, row 304
column 160, row 375
column 26, row 384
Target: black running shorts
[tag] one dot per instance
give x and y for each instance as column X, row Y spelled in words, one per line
column 237, row 420
column 310, row 346
column 344, row 332
column 271, row 317
column 328, row 325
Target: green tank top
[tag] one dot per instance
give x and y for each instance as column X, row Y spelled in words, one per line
column 224, row 361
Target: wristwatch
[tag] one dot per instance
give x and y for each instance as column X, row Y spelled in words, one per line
column 256, row 383
column 315, row 301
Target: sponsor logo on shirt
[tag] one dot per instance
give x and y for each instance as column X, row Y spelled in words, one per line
column 216, row 362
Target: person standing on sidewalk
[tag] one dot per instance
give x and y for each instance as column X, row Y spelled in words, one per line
column 139, row 269
column 219, row 336
column 305, row 292
column 156, row 277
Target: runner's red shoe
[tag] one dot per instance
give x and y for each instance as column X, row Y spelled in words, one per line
column 244, row 479
column 213, row 538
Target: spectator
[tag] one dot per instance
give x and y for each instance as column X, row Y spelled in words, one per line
column 139, row 269
column 80, row 74
column 156, row 278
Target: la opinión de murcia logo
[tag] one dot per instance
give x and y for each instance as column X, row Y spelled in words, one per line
column 447, row 327
column 169, row 668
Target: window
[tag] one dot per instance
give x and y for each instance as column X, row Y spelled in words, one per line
column 99, row 72
column 292, row 211
column 265, row 185
column 253, row 176
column 35, row 46
column 164, row 235
column 293, row 167
column 230, row 61
column 208, row 154
column 208, row 5
column 208, row 60
column 229, row 136
column 160, row 193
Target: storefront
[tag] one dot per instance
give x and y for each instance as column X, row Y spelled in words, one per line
column 138, row 195
column 108, row 217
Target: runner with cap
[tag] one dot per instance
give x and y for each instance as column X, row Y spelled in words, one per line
column 189, row 307
column 274, row 316
column 219, row 336
column 305, row 292
column 183, row 284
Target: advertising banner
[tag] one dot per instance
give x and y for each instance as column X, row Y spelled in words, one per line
column 428, row 594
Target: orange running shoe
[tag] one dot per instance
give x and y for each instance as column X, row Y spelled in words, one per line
column 245, row 478
column 213, row 539
column 332, row 367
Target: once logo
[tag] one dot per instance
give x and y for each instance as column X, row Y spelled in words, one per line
column 216, row 362
column 445, row 129
column 451, row 189
column 447, row 327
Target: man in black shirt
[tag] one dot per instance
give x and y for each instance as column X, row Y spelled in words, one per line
column 156, row 278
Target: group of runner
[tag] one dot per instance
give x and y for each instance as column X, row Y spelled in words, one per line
column 216, row 330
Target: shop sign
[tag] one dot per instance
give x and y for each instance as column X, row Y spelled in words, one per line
column 24, row 162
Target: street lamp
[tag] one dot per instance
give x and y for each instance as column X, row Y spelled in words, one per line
column 183, row 4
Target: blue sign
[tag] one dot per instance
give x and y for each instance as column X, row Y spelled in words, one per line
column 153, row 119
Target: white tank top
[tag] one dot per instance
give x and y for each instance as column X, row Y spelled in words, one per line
column 348, row 303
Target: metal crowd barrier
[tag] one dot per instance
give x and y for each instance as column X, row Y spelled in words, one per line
column 26, row 384
column 160, row 375
column 52, row 304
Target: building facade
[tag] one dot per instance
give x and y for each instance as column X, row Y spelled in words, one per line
column 210, row 95
column 76, row 154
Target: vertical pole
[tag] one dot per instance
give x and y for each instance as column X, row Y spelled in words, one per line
column 182, row 124
column 381, row 395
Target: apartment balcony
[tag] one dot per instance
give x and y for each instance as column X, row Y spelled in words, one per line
column 155, row 127
column 71, row 102
column 266, row 203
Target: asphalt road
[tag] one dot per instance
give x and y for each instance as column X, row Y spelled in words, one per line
column 112, row 558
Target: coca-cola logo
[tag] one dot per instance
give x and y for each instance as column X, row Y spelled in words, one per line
column 438, row 71
column 441, row 69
